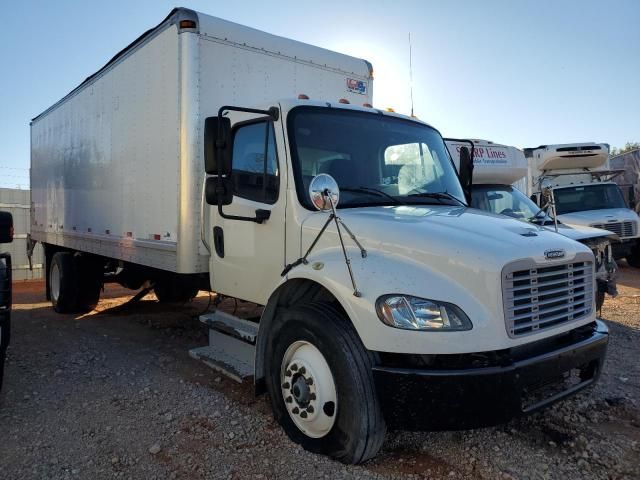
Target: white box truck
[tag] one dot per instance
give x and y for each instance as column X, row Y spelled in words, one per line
column 575, row 177
column 385, row 301
column 499, row 174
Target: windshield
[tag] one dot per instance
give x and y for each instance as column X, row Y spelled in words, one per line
column 587, row 197
column 376, row 159
column 506, row 200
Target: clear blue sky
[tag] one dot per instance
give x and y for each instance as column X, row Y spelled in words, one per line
column 516, row 72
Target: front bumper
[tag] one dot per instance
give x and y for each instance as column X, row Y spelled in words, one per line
column 508, row 384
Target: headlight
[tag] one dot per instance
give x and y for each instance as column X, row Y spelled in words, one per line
column 413, row 313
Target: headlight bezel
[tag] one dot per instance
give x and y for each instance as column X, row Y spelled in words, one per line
column 449, row 309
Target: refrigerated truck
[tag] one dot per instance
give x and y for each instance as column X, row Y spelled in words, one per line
column 580, row 182
column 498, row 175
column 384, row 301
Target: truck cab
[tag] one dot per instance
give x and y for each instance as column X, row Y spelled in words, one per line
column 578, row 178
column 425, row 284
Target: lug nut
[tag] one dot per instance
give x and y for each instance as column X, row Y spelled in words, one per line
column 295, row 410
column 294, row 367
column 309, row 381
column 286, row 385
column 287, row 373
column 310, row 409
column 303, row 414
column 289, row 399
column 312, row 396
column 303, row 370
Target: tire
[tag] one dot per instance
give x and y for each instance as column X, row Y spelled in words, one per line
column 5, row 328
column 352, row 429
column 3, row 354
column 634, row 259
column 599, row 300
column 74, row 283
column 173, row 289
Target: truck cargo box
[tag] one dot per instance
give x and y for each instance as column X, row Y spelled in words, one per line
column 116, row 165
column 492, row 162
column 568, row 156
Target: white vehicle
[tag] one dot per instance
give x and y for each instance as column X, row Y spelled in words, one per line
column 575, row 178
column 498, row 170
column 385, row 301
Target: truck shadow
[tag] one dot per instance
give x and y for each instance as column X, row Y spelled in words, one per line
column 162, row 334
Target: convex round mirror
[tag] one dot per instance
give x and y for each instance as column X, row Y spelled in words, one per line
column 319, row 187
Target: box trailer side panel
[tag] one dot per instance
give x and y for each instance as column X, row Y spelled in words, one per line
column 105, row 160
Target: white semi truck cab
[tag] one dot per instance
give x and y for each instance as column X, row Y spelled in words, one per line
column 576, row 178
column 384, row 301
column 498, row 172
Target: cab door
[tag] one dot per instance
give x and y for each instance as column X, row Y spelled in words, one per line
column 248, row 257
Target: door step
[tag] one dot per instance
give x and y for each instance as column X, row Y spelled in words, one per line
column 231, row 349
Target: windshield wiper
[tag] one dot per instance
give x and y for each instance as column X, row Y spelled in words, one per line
column 537, row 216
column 373, row 191
column 437, row 196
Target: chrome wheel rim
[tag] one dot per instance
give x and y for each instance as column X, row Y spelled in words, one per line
column 308, row 389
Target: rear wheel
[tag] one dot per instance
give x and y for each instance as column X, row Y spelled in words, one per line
column 321, row 384
column 173, row 289
column 62, row 283
column 74, row 282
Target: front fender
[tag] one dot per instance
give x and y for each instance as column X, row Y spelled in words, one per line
column 381, row 273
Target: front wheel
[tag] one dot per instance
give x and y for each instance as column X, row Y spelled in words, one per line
column 321, row 384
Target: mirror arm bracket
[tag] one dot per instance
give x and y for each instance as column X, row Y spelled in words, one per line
column 261, row 216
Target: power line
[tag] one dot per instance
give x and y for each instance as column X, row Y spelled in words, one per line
column 14, row 168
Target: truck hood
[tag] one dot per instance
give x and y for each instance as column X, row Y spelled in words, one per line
column 580, row 233
column 589, row 217
column 446, row 253
column 429, row 233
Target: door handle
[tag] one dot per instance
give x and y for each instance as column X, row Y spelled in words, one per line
column 218, row 241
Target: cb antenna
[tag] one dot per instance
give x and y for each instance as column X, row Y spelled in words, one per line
column 410, row 74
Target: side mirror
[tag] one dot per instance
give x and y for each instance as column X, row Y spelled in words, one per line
column 217, row 146
column 6, row 227
column 215, row 191
column 322, row 187
column 466, row 172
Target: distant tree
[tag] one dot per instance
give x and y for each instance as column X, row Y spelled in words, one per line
column 627, row 148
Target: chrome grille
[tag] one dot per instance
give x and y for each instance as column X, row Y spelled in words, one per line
column 622, row 229
column 542, row 297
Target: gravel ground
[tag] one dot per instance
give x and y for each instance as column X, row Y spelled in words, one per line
column 114, row 394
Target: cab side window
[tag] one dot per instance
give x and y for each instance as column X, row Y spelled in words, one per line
column 255, row 172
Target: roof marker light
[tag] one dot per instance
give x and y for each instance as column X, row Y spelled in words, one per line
column 344, row 100
column 367, row 105
column 187, row 24
column 302, row 96
column 389, row 109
